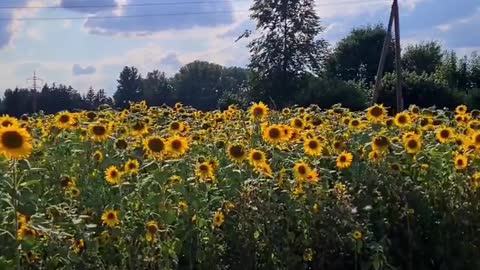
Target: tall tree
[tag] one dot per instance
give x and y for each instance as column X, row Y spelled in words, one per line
column 423, row 57
column 90, row 99
column 286, row 49
column 157, row 89
column 129, row 87
column 356, row 56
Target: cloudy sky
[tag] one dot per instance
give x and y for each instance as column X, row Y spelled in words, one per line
column 101, row 36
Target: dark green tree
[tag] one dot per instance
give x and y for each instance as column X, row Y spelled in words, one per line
column 129, row 87
column 157, row 89
column 90, row 99
column 423, row 57
column 356, row 56
column 287, row 48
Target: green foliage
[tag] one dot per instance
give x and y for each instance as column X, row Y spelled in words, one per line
column 420, row 89
column 327, row 92
column 356, row 56
column 422, row 57
column 285, row 49
column 129, row 87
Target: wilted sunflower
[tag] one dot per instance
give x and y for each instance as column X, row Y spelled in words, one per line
column 15, row 142
column 154, row 146
column 6, row 121
column 98, row 132
column 256, row 157
column 475, row 182
column 236, row 153
column 264, row 169
column 380, row 143
column 258, row 111
column 376, row 113
column 312, row 147
column 177, row 146
column 402, row 120
column 110, row 218
column 132, row 166
column 412, row 144
column 113, row 175
column 374, row 156
column 273, row 134
column 445, row 134
column 344, row 160
column 64, row 120
column 218, row 219
column 461, row 162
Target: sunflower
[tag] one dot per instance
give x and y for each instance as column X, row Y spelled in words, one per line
column 98, row 132
column 264, row 169
column 121, row 144
column 113, row 175
column 175, row 127
column 312, row 147
column 132, row 166
column 154, row 146
column 412, row 144
column 6, row 121
column 152, row 229
column 380, row 143
column 374, row 156
column 73, row 191
column 218, row 219
column 182, row 206
column 297, row 123
column 205, row 172
column 273, row 134
column 301, row 170
column 15, row 142
column 461, row 109
column 139, row 128
column 445, row 134
column 258, row 111
column 475, row 181
column 110, row 218
column 286, row 111
column 26, row 233
column 461, row 162
column 376, row 113
column 64, row 120
column 256, row 157
column 357, row 235
column 402, row 120
column 175, row 179
column 344, row 160
column 98, row 156
column 475, row 138
column 236, row 153
column 177, row 146
column 355, row 123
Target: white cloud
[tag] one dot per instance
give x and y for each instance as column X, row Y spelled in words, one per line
column 67, row 24
column 34, row 34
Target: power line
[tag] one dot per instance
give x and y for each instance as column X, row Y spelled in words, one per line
column 170, row 4
column 124, row 16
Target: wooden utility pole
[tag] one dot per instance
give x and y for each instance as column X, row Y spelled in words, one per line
column 398, row 58
column 394, row 19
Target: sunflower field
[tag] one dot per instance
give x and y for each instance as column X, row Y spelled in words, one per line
column 300, row 188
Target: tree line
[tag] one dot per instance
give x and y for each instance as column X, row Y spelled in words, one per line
column 289, row 65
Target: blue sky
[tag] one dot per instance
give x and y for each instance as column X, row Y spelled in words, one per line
column 91, row 51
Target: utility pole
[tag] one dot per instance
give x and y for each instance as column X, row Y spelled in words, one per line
column 34, row 80
column 394, row 19
column 398, row 58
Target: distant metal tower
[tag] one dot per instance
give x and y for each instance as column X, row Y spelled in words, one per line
column 34, row 81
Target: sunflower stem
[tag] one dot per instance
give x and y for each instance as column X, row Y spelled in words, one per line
column 15, row 211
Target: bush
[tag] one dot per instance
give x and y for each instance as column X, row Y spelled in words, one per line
column 422, row 90
column 327, row 92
